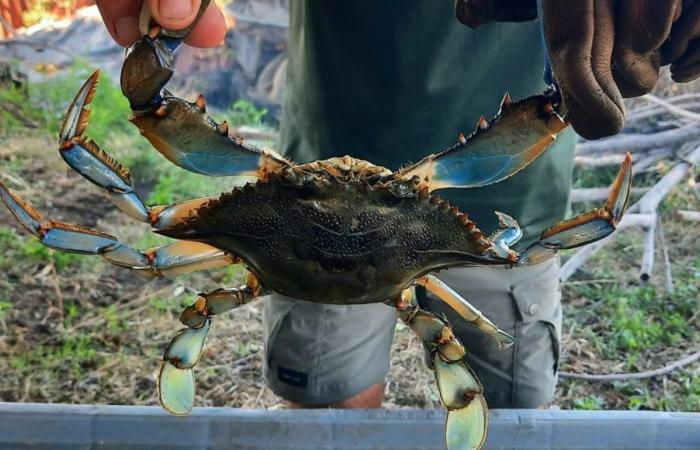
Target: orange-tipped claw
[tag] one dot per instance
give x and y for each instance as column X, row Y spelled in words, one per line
column 76, row 118
column 620, row 191
column 585, row 228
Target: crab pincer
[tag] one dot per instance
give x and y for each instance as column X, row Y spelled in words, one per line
column 585, row 228
column 180, row 130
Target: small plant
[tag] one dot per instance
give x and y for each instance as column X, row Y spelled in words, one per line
column 242, row 112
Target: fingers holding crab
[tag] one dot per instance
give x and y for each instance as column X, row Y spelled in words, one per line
column 176, row 382
column 496, row 149
column 585, row 228
column 170, row 259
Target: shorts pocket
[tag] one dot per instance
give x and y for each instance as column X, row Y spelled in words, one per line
column 538, row 301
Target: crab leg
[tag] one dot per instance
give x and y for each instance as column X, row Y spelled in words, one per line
column 170, row 259
column 460, row 391
column 466, row 310
column 176, row 386
column 587, row 227
column 95, row 165
column 497, row 149
column 182, row 131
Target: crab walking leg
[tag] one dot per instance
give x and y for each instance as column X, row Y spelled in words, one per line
column 170, row 259
column 497, row 149
column 465, row 309
column 587, row 227
column 176, row 386
column 460, row 391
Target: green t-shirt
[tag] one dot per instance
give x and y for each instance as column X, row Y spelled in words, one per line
column 393, row 81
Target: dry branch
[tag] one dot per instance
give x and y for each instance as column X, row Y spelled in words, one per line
column 599, row 160
column 667, row 259
column 651, row 200
column 636, row 142
column 677, row 110
column 596, row 194
column 655, row 111
column 647, row 266
column 651, row 158
column 636, row 375
column 693, row 216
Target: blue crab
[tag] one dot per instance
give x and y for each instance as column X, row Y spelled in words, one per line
column 340, row 231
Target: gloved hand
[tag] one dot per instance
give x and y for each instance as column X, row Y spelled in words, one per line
column 121, row 19
column 604, row 50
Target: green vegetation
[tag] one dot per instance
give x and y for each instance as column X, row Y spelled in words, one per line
column 242, row 112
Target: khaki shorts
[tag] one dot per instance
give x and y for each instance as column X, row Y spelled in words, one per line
column 318, row 354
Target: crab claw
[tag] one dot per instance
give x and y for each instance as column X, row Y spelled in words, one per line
column 76, row 118
column 587, row 227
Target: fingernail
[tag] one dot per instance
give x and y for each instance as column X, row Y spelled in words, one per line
column 175, row 9
column 126, row 29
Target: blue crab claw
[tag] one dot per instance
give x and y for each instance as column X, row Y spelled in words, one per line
column 85, row 157
column 508, row 234
column 58, row 235
column 186, row 347
column 76, row 119
column 587, row 227
column 497, row 149
column 27, row 216
column 176, row 389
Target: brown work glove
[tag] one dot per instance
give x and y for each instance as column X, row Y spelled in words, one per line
column 604, row 50
column 474, row 13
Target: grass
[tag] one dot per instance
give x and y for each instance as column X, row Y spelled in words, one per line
column 105, row 343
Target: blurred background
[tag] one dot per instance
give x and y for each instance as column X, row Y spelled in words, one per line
column 74, row 329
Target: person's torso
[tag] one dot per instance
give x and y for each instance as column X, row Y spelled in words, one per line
column 392, row 82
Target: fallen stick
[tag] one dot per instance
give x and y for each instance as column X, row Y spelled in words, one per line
column 651, row 200
column 655, row 111
column 599, row 160
column 647, row 265
column 693, row 216
column 676, row 110
column 581, row 195
column 636, row 142
column 667, row 259
column 651, row 158
column 635, row 375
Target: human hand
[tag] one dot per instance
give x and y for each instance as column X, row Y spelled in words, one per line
column 122, row 18
column 604, row 50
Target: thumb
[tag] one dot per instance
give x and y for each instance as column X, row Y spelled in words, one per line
column 174, row 14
